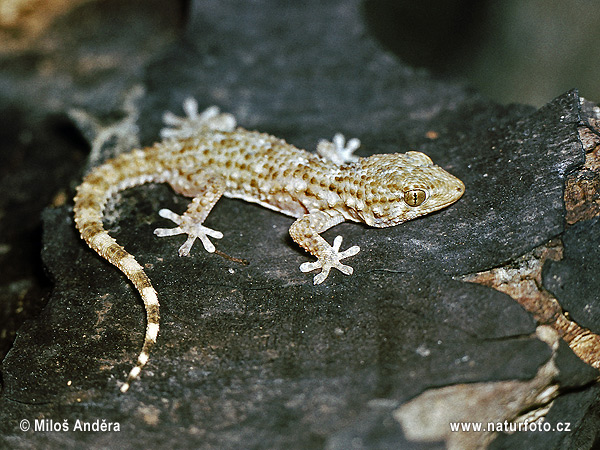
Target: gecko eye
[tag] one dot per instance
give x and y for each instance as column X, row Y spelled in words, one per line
column 415, row 197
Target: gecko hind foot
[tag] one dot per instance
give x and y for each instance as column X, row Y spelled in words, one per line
column 331, row 260
column 194, row 123
column 188, row 226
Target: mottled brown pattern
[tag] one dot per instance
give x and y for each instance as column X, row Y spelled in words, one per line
column 205, row 156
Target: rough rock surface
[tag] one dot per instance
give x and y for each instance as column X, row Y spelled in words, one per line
column 255, row 356
column 574, row 280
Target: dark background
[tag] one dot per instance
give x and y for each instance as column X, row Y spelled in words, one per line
column 512, row 51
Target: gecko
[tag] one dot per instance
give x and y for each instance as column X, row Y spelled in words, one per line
column 205, row 155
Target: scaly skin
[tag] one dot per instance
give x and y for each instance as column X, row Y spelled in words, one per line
column 205, row 156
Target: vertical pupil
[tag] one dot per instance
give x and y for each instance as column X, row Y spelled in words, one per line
column 414, row 197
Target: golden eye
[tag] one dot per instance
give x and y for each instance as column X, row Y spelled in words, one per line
column 415, row 197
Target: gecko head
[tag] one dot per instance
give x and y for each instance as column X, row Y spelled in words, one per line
column 401, row 187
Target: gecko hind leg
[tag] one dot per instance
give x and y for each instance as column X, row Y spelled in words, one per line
column 191, row 222
column 195, row 123
column 188, row 226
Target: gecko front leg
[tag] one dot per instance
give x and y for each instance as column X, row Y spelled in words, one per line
column 338, row 151
column 306, row 232
column 191, row 221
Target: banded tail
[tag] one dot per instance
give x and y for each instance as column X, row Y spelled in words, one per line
column 98, row 186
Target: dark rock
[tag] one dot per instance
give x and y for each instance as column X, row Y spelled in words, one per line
column 572, row 422
column 572, row 371
column 574, row 279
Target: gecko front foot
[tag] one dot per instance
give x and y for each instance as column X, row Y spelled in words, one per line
column 331, row 259
column 187, row 225
column 338, row 150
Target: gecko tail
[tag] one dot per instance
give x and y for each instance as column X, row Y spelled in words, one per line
column 150, row 299
column 88, row 219
column 151, row 302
